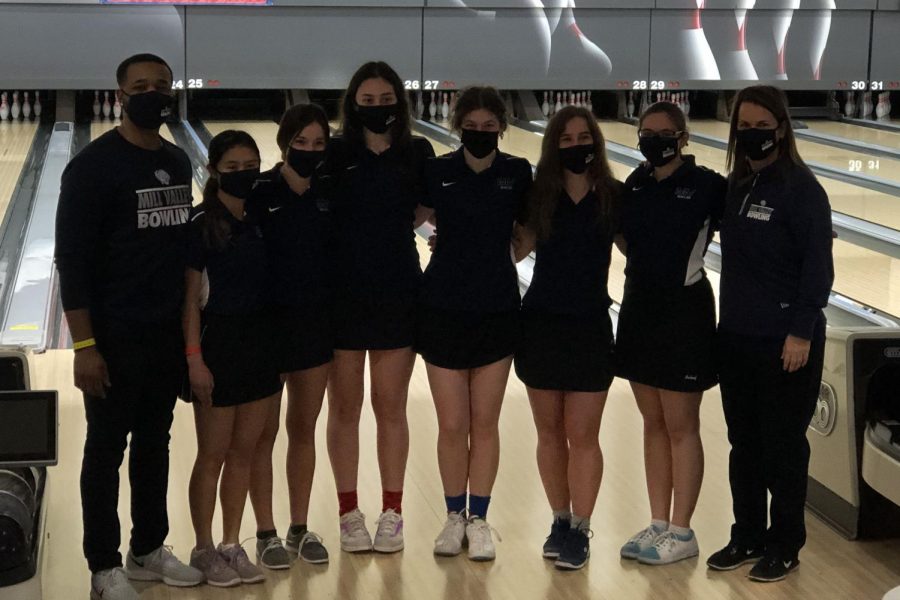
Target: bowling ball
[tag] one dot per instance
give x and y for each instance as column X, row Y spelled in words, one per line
column 14, row 550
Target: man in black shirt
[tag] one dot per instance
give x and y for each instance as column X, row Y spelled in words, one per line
column 120, row 252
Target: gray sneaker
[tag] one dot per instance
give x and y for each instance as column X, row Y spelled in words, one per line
column 308, row 546
column 238, row 560
column 162, row 565
column 214, row 568
column 112, row 584
column 271, row 554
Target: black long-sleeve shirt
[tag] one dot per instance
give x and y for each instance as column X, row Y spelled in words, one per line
column 121, row 230
column 777, row 264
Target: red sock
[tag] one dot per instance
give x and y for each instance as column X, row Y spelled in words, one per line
column 392, row 501
column 348, row 502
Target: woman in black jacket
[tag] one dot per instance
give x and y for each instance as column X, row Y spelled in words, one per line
column 777, row 271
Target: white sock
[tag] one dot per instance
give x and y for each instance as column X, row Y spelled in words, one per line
column 565, row 515
column 683, row 533
column 659, row 525
column 581, row 523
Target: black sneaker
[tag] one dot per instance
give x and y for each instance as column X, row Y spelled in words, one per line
column 557, row 538
column 575, row 551
column 773, row 568
column 733, row 556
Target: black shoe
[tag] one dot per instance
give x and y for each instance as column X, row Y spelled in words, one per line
column 773, row 568
column 575, row 551
column 733, row 556
column 554, row 544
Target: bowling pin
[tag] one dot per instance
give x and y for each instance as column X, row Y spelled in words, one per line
column 38, row 109
column 629, row 107
column 96, row 106
column 117, row 108
column 781, row 25
column 545, row 107
column 445, row 107
column 4, row 107
column 558, row 102
column 107, row 107
column 432, row 108
column 821, row 28
column 589, row 104
column 695, row 57
column 26, row 108
column 736, row 63
column 849, row 107
column 879, row 108
column 16, row 108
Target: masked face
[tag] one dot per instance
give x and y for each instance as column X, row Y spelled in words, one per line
column 658, row 150
column 577, row 159
column 757, row 144
column 479, row 143
column 377, row 119
column 239, row 183
column 305, row 162
column 148, row 110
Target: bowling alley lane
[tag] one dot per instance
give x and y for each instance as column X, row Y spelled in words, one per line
column 15, row 142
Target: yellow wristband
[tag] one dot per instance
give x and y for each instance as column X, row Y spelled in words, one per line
column 84, row 344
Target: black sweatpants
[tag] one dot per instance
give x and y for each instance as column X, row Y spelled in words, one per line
column 146, row 367
column 767, row 411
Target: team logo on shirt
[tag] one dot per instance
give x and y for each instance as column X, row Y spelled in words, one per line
column 506, row 183
column 683, row 193
column 760, row 212
column 163, row 206
column 163, row 177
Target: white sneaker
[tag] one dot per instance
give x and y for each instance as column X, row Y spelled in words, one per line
column 450, row 540
column 639, row 542
column 481, row 544
column 389, row 532
column 669, row 548
column 354, row 535
column 162, row 565
column 112, row 584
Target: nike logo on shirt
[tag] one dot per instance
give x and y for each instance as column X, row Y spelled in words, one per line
column 274, row 209
column 447, row 183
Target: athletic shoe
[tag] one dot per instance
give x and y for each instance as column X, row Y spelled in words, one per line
column 640, row 541
column 389, row 532
column 481, row 545
column 308, row 546
column 237, row 559
column 557, row 538
column 214, row 568
column 575, row 551
column 772, row 567
column 112, row 584
column 450, row 540
column 162, row 565
column 733, row 556
column 271, row 554
column 668, row 548
column 354, row 535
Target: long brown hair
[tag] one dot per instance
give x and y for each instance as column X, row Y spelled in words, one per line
column 351, row 126
column 216, row 229
column 548, row 182
column 773, row 100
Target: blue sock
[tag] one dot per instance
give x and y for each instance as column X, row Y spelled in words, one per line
column 478, row 506
column 455, row 504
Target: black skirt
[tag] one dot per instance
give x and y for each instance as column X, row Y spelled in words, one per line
column 304, row 337
column 238, row 351
column 374, row 324
column 456, row 339
column 666, row 337
column 565, row 352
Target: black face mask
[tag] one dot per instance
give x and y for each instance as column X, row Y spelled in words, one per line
column 659, row 151
column 479, row 143
column 757, row 144
column 148, row 110
column 239, row 183
column 577, row 158
column 377, row 119
column 305, row 162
